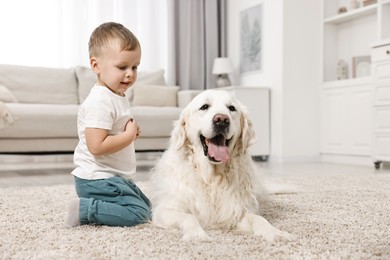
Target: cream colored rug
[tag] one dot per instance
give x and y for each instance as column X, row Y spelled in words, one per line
column 336, row 217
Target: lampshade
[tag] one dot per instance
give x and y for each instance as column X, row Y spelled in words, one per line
column 222, row 66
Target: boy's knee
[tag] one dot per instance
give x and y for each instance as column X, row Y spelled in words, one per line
column 145, row 214
column 139, row 218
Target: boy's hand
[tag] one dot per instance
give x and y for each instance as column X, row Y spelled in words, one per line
column 133, row 127
column 99, row 142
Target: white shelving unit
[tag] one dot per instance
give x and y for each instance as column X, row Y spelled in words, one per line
column 351, row 15
column 350, row 34
column 346, row 117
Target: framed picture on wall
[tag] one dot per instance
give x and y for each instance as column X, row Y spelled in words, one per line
column 251, row 39
column 361, row 66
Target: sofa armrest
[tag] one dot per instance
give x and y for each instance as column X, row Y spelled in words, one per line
column 185, row 96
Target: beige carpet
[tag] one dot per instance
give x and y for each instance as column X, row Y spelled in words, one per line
column 337, row 217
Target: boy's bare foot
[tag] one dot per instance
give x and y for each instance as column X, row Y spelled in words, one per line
column 73, row 218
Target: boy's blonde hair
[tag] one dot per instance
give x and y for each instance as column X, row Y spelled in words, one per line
column 108, row 33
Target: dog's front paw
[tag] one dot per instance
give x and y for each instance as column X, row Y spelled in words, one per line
column 277, row 235
column 198, row 235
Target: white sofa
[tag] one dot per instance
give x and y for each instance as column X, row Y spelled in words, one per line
column 39, row 108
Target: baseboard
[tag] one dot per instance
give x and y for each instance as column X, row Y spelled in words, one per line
column 348, row 159
column 330, row 158
column 294, row 159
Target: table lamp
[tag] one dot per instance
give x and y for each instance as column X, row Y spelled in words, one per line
column 222, row 67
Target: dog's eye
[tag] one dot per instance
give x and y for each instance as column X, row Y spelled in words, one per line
column 232, row 108
column 204, row 107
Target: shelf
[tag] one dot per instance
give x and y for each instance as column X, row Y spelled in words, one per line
column 351, row 15
column 347, row 82
column 380, row 43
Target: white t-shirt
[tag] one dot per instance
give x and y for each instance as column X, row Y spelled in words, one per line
column 105, row 110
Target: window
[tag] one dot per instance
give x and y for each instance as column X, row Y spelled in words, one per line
column 55, row 33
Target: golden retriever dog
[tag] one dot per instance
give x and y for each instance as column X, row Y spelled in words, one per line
column 206, row 179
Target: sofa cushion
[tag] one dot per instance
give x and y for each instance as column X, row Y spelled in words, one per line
column 41, row 121
column 147, row 78
column 86, row 79
column 162, row 96
column 151, row 78
column 6, row 118
column 155, row 121
column 6, row 95
column 40, row 85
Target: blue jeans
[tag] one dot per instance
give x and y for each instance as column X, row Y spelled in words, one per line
column 113, row 202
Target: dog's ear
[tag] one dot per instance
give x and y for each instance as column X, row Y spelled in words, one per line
column 178, row 136
column 247, row 136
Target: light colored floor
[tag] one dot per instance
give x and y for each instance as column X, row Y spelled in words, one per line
column 38, row 170
column 41, row 170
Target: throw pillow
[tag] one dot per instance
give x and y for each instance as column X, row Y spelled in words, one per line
column 162, row 96
column 86, row 79
column 40, row 85
column 151, row 78
column 6, row 95
column 155, row 78
column 6, row 118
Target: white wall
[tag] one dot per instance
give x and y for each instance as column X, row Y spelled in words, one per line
column 291, row 69
column 301, row 79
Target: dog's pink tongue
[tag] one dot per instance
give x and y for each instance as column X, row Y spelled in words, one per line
column 219, row 153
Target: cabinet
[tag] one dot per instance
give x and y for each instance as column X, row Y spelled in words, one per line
column 346, row 120
column 257, row 101
column 381, row 103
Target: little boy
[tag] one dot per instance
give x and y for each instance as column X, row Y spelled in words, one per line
column 105, row 155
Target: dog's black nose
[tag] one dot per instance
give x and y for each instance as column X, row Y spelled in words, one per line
column 221, row 120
